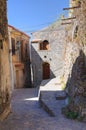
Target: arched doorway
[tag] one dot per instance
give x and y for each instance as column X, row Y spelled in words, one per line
column 46, row 70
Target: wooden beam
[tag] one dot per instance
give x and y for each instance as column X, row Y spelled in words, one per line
column 36, row 41
column 75, row 7
column 69, row 18
column 66, row 23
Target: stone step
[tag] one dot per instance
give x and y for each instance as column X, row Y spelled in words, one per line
column 48, row 97
column 60, row 95
column 52, row 106
column 44, row 105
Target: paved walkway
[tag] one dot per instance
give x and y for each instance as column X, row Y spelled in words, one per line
column 27, row 115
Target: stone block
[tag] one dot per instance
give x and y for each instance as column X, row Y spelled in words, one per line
column 61, row 95
column 83, row 113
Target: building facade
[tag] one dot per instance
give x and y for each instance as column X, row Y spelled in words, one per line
column 47, row 52
column 19, row 53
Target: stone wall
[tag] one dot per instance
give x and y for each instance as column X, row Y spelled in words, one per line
column 68, row 48
column 4, row 63
column 55, row 35
column 75, row 63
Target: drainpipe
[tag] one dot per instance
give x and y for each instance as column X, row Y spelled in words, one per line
column 11, row 65
column 31, row 62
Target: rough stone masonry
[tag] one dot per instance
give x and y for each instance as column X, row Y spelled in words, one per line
column 4, row 63
column 75, row 60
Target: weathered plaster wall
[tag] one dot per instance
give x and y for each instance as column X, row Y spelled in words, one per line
column 4, row 63
column 20, row 58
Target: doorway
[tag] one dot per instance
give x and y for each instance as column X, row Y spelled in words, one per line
column 46, row 70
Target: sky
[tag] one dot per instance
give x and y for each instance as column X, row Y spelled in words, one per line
column 32, row 15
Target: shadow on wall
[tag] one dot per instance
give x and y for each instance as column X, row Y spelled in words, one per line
column 76, row 86
column 27, row 69
column 40, row 67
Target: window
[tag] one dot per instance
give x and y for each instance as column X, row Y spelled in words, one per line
column 17, row 45
column 1, row 44
column 13, row 46
column 44, row 45
column 22, row 50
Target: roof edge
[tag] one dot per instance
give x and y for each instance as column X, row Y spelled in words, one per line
column 18, row 30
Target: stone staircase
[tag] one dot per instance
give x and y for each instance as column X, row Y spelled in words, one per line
column 51, row 97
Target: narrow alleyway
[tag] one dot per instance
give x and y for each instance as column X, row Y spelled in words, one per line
column 27, row 115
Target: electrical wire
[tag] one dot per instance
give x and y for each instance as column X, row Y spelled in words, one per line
column 46, row 23
column 43, row 24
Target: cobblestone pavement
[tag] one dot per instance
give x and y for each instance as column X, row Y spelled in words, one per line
column 27, row 115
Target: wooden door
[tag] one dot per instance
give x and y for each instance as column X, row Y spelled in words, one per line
column 46, row 70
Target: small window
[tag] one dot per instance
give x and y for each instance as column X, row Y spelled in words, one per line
column 1, row 44
column 44, row 45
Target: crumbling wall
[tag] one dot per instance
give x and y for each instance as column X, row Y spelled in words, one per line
column 4, row 63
